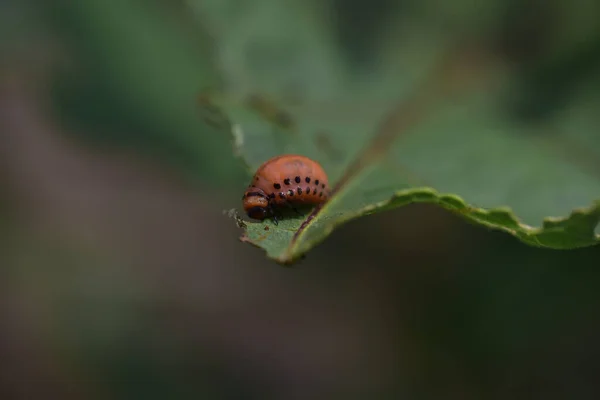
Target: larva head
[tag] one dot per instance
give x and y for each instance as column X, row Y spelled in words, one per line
column 256, row 203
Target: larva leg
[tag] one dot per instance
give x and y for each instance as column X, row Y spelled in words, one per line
column 287, row 203
column 276, row 215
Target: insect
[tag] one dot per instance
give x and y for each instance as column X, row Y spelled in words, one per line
column 285, row 181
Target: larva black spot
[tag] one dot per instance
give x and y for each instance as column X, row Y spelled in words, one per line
column 286, row 181
column 297, row 179
column 272, row 195
column 307, row 179
column 321, row 194
column 317, row 182
column 323, row 186
column 277, row 186
column 299, row 191
column 290, row 192
column 282, row 195
column 308, row 190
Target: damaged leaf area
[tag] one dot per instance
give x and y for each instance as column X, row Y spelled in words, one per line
column 433, row 127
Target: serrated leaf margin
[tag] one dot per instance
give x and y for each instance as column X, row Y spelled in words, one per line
column 549, row 235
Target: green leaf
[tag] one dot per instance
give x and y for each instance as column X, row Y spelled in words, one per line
column 431, row 128
column 383, row 185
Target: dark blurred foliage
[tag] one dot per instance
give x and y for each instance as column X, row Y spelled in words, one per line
column 121, row 278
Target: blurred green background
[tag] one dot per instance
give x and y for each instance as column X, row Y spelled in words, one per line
column 122, row 278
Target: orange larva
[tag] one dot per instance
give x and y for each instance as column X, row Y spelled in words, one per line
column 285, row 181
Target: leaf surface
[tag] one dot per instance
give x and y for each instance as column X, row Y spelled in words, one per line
column 431, row 128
